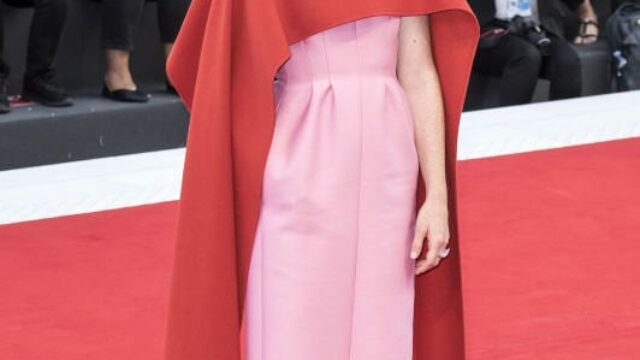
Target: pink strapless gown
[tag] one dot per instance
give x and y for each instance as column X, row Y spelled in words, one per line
column 330, row 275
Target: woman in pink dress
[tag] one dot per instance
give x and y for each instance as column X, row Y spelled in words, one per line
column 358, row 112
column 312, row 206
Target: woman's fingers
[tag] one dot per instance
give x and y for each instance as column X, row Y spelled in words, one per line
column 437, row 243
column 431, row 226
column 430, row 261
column 418, row 240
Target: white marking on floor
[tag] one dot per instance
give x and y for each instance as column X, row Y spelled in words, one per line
column 548, row 125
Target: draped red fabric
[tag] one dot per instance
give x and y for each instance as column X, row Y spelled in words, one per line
column 222, row 65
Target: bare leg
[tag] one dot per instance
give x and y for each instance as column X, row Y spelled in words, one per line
column 117, row 75
column 167, row 49
column 119, row 24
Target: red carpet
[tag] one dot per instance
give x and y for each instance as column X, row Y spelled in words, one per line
column 550, row 266
column 90, row 287
column 552, row 253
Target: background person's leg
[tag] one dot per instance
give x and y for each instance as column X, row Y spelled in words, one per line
column 39, row 81
column 563, row 69
column 120, row 19
column 517, row 62
column 4, row 67
column 4, row 71
column 171, row 14
column 44, row 36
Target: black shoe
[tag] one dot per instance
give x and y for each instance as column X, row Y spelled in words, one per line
column 125, row 94
column 44, row 89
column 4, row 98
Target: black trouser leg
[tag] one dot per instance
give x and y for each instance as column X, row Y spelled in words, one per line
column 563, row 69
column 44, row 36
column 170, row 16
column 120, row 19
column 517, row 62
column 4, row 67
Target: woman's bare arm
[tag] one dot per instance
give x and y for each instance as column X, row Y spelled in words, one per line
column 419, row 77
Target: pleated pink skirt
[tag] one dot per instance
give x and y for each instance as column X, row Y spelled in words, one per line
column 330, row 275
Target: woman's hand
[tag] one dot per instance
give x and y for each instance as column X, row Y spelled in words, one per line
column 431, row 223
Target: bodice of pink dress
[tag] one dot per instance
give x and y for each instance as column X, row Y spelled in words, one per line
column 330, row 274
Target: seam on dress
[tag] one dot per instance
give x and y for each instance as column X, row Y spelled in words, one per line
column 355, row 282
column 326, row 58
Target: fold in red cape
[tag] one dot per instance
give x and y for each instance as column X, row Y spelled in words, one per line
column 222, row 65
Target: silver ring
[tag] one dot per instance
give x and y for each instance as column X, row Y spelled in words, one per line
column 444, row 253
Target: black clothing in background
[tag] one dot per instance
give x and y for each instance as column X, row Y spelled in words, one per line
column 560, row 17
column 519, row 62
column 120, row 19
column 548, row 10
column 44, row 35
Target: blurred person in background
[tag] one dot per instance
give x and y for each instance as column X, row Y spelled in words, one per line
column 39, row 80
column 119, row 21
column 525, row 39
column 574, row 20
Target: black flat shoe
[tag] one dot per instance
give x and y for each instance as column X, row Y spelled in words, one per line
column 45, row 90
column 125, row 95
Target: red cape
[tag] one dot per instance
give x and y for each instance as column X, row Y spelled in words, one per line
column 222, row 65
